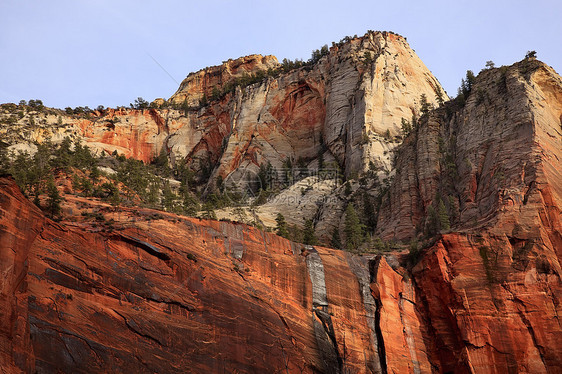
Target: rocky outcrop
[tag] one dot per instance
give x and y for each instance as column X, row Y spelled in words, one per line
column 202, row 83
column 341, row 113
column 493, row 162
column 478, row 181
column 347, row 106
column 157, row 292
column 493, row 303
column 343, row 107
column 20, row 224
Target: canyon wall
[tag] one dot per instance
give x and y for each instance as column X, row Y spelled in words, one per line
column 491, row 284
column 478, row 181
column 493, row 161
column 177, row 294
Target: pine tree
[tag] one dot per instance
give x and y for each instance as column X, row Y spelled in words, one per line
column 168, row 197
column 369, row 212
column 281, row 228
column 209, row 212
column 308, row 235
column 203, row 101
column 439, row 96
column 36, row 199
column 406, row 127
column 336, row 241
column 352, row 228
column 95, row 173
column 432, row 222
column 108, row 191
column 140, row 103
column 160, row 163
column 466, row 84
column 53, row 199
column 295, row 234
column 216, row 94
column 444, row 222
column 190, row 205
column 425, row 105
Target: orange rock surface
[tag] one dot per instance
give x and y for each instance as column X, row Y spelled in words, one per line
column 493, row 304
column 175, row 295
column 489, row 287
column 201, row 83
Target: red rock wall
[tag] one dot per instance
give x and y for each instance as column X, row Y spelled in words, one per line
column 175, row 296
column 492, row 304
column 179, row 294
column 20, row 223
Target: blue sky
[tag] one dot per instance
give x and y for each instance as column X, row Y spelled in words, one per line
column 78, row 53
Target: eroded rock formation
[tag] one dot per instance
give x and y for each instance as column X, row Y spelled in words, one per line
column 348, row 105
column 144, row 291
column 176, row 294
column 496, row 163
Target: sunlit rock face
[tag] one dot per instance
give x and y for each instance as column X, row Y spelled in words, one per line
column 492, row 284
column 494, row 161
column 348, row 105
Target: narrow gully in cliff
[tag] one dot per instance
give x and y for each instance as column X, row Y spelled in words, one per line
column 360, row 268
column 321, row 318
column 373, row 269
column 378, row 331
column 408, row 334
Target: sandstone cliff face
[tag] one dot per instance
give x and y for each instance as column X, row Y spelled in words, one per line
column 492, row 288
column 493, row 303
column 177, row 294
column 341, row 106
column 345, row 109
column 163, row 293
column 494, row 162
column 20, row 225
